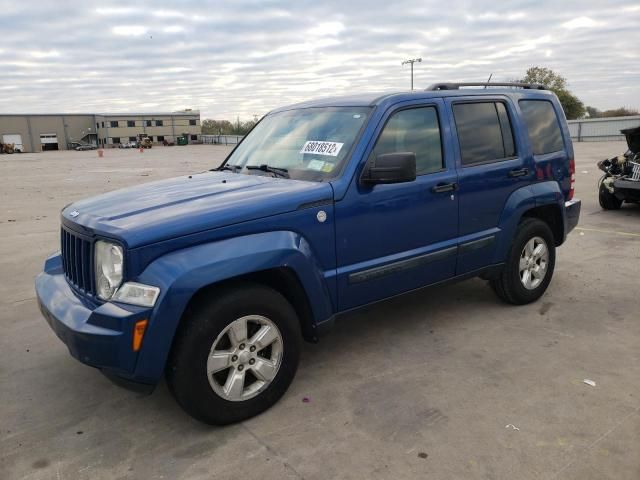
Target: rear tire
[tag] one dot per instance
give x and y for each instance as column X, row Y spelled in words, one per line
column 608, row 200
column 212, row 332
column 533, row 251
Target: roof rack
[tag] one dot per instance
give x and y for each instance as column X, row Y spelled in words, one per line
column 456, row 86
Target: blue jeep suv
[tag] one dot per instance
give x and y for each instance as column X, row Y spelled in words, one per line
column 213, row 279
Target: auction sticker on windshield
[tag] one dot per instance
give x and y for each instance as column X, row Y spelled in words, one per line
column 322, row 148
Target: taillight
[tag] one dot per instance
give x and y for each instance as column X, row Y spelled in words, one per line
column 572, row 173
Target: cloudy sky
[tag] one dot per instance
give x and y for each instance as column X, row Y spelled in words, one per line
column 245, row 57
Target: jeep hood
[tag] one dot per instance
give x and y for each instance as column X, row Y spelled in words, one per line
column 171, row 208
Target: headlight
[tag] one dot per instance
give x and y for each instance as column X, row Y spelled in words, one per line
column 137, row 294
column 108, row 265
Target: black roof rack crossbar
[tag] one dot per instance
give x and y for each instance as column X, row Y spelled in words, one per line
column 456, row 86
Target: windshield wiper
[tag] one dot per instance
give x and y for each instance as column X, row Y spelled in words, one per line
column 278, row 172
column 233, row 168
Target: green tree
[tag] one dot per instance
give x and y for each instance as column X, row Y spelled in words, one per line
column 217, row 127
column 615, row 112
column 246, row 127
column 225, row 127
column 620, row 112
column 572, row 106
column 593, row 112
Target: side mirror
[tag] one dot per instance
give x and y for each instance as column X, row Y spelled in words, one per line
column 391, row 168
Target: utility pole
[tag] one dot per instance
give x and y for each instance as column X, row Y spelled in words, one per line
column 411, row 62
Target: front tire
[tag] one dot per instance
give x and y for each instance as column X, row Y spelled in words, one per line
column 530, row 264
column 608, row 200
column 235, row 355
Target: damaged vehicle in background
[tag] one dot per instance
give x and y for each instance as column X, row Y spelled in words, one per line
column 621, row 180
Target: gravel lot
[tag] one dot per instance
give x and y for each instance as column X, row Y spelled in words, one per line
column 445, row 383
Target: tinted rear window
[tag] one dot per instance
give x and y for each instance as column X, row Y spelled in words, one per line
column 484, row 132
column 544, row 130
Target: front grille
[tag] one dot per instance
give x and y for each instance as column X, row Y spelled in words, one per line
column 77, row 261
column 635, row 171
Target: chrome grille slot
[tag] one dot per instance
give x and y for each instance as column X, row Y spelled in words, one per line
column 635, row 171
column 77, row 260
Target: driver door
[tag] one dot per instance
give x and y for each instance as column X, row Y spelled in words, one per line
column 392, row 238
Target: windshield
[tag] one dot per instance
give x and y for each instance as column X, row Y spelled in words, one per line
column 309, row 144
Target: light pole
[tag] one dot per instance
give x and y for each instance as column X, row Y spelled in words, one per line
column 411, row 62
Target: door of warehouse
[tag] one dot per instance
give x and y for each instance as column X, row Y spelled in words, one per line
column 49, row 141
column 15, row 139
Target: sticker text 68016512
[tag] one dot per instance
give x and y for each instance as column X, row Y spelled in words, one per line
column 322, row 148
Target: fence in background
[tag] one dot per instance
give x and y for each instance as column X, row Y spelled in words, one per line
column 221, row 139
column 601, row 129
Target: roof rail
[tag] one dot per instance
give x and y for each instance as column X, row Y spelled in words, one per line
column 456, row 86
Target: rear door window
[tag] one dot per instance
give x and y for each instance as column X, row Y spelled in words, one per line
column 414, row 130
column 543, row 126
column 484, row 132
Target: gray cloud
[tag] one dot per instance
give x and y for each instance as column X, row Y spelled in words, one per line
column 244, row 58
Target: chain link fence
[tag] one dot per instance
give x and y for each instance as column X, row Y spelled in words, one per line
column 221, row 139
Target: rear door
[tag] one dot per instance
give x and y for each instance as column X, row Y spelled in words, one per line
column 490, row 168
column 551, row 153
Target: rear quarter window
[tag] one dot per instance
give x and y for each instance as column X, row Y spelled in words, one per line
column 543, row 126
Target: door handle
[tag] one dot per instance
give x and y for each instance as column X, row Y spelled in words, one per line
column 519, row 173
column 444, row 187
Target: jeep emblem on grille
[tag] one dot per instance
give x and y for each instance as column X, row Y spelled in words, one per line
column 74, row 214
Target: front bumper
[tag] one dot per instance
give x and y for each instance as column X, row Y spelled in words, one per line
column 625, row 189
column 571, row 214
column 97, row 334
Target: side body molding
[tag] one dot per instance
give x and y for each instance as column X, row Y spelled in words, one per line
column 182, row 273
